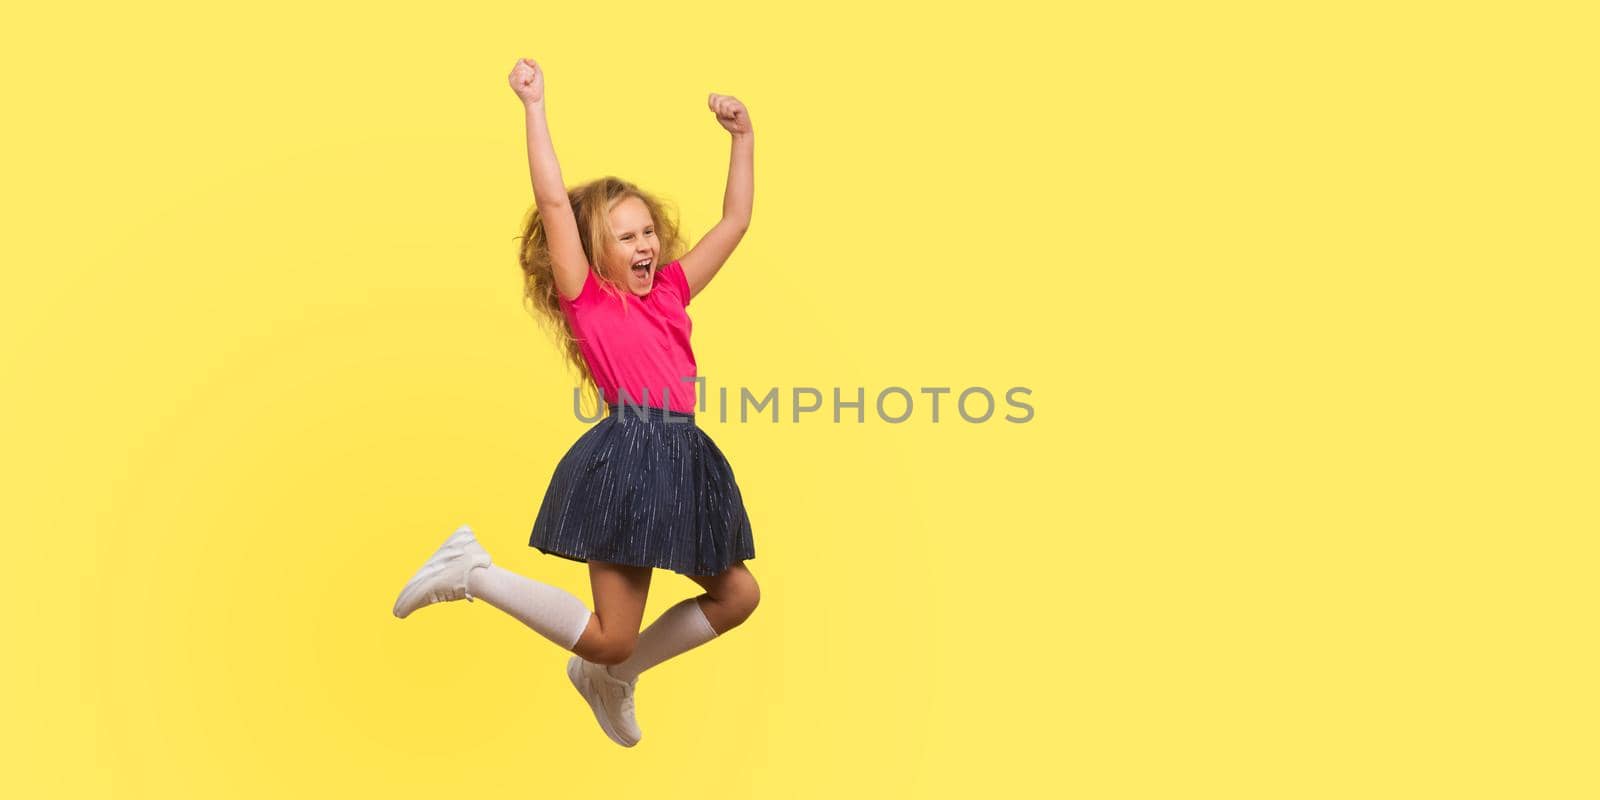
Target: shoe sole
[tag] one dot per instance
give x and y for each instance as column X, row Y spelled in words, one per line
column 575, row 674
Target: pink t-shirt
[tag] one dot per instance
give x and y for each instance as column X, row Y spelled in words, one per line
column 642, row 347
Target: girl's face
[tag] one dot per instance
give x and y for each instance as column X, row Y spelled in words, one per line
column 634, row 248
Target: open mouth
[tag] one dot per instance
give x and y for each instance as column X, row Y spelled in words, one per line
column 642, row 269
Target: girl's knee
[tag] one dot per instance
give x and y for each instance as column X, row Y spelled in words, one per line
column 752, row 593
column 610, row 649
column 742, row 597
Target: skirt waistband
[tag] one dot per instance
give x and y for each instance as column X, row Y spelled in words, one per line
column 645, row 413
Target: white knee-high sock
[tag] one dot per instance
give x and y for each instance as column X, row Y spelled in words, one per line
column 678, row 630
column 555, row 614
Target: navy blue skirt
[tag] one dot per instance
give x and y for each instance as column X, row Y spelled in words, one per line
column 648, row 488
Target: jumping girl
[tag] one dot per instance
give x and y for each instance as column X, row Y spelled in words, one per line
column 644, row 488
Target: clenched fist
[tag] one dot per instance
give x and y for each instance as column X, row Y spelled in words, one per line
column 730, row 113
column 527, row 80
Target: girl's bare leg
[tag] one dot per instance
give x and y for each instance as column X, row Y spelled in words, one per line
column 730, row 598
column 619, row 596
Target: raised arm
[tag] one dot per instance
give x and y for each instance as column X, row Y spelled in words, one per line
column 701, row 263
column 555, row 209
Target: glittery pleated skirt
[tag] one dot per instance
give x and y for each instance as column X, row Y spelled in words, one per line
column 647, row 488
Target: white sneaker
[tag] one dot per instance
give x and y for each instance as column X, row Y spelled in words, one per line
column 609, row 696
column 444, row 577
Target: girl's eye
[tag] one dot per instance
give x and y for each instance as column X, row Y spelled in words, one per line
column 626, row 238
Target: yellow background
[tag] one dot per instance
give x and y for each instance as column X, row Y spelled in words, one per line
column 1305, row 294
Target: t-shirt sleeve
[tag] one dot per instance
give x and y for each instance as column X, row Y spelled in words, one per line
column 673, row 275
column 586, row 295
